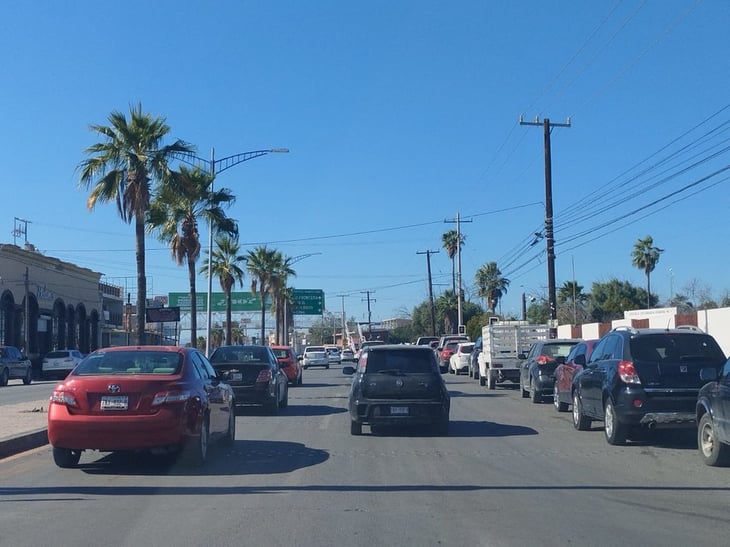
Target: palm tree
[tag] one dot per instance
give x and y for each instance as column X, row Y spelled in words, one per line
column 262, row 264
column 121, row 169
column 491, row 285
column 447, row 310
column 226, row 266
column 278, row 289
column 571, row 292
column 452, row 241
column 175, row 211
column 645, row 256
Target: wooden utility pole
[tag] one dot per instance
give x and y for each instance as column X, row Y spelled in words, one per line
column 550, row 241
column 430, row 289
column 370, row 326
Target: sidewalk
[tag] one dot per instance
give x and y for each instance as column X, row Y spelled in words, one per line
column 23, row 426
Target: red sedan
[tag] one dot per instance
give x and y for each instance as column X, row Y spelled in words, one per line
column 574, row 362
column 144, row 398
column 289, row 364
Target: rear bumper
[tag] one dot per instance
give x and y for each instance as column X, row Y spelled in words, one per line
column 660, row 410
column 382, row 412
column 253, row 395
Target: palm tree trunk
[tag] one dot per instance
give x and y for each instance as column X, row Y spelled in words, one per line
column 648, row 290
column 229, row 327
column 263, row 316
column 193, row 305
column 141, row 279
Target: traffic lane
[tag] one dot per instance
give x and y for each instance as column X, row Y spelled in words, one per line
column 510, row 472
column 16, row 392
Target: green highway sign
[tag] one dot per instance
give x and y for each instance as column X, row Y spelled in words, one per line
column 307, row 301
column 240, row 301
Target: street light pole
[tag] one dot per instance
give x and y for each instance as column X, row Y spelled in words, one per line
column 215, row 167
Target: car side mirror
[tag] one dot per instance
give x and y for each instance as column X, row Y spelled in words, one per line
column 708, row 374
column 348, row 370
column 521, row 356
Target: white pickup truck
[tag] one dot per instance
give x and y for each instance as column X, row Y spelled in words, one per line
column 502, row 342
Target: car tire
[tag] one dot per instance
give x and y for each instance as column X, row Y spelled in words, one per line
column 273, row 407
column 580, row 421
column 482, row 381
column 4, row 377
column 305, row 367
column 713, row 452
column 196, row 451
column 28, row 378
column 616, row 432
column 285, row 401
column 300, row 380
column 230, row 437
column 442, row 427
column 327, row 366
column 355, row 428
column 525, row 394
column 66, row 457
column 491, row 382
column 535, row 396
column 560, row 406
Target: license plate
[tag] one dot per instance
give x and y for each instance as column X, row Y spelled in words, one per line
column 114, row 402
column 236, row 376
column 398, row 410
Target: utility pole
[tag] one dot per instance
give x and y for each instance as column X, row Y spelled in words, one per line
column 461, row 328
column 344, row 321
column 370, row 326
column 550, row 241
column 430, row 289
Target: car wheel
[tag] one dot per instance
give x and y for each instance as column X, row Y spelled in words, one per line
column 273, row 406
column 327, row 366
column 300, row 380
column 65, row 457
column 712, row 451
column 355, row 428
column 4, row 377
column 615, row 431
column 560, row 406
column 535, row 396
column 230, row 437
column 285, row 400
column 580, row 421
column 305, row 367
column 525, row 394
column 28, row 377
column 482, row 381
column 442, row 427
column 491, row 381
column 197, row 448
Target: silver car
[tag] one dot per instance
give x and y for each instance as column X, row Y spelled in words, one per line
column 315, row 356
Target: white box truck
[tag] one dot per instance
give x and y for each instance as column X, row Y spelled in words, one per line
column 502, row 342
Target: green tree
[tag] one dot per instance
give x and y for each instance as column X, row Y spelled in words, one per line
column 122, row 168
column 645, row 256
column 447, row 311
column 174, row 213
column 263, row 264
column 491, row 284
column 452, row 241
column 226, row 265
column 279, row 290
column 609, row 300
column 571, row 303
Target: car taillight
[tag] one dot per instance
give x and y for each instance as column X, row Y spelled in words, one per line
column 627, row 372
column 542, row 360
column 63, row 398
column 264, row 376
column 162, row 397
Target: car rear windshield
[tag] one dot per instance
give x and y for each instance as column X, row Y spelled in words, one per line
column 57, row 355
column 239, row 355
column 676, row 347
column 556, row 350
column 281, row 353
column 400, row 360
column 130, row 362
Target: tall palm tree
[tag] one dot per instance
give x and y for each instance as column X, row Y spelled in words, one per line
column 226, row 265
column 491, row 285
column 262, row 264
column 122, row 168
column 175, row 211
column 447, row 309
column 645, row 256
column 452, row 241
column 571, row 292
column 279, row 279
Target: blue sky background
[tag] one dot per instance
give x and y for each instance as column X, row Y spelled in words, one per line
column 398, row 115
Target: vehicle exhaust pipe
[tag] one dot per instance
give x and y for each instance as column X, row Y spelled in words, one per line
column 651, row 425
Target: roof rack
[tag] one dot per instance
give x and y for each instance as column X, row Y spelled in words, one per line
column 624, row 327
column 694, row 328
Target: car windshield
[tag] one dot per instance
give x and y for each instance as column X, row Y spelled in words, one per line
column 132, row 362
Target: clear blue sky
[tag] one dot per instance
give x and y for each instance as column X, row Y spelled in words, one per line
column 398, row 115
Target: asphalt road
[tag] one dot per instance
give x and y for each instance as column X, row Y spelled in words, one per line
column 510, row 473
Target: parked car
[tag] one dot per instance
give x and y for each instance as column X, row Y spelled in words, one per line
column 143, row 398
column 459, row 361
column 564, row 373
column 254, row 374
column 333, row 354
column 397, row 385
column 347, row 355
column 57, row 364
column 290, row 365
column 537, row 371
column 445, row 353
column 367, row 344
column 315, row 356
column 646, row 378
column 14, row 365
column 426, row 340
column 713, row 417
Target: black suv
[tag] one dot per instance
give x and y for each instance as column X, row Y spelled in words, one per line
column 397, row 384
column 713, row 417
column 644, row 377
column 537, row 370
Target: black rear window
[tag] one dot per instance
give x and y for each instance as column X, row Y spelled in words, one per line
column 239, row 355
column 398, row 360
column 676, row 347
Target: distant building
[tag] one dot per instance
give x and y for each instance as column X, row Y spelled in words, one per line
column 395, row 323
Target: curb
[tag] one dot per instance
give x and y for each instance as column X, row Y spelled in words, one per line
column 21, row 443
